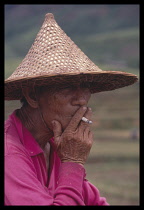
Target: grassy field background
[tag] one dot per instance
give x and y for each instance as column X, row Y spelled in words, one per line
column 113, row 164
column 109, row 35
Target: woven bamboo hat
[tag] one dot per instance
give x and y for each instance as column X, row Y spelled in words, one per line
column 55, row 59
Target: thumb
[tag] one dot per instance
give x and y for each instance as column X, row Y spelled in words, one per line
column 57, row 129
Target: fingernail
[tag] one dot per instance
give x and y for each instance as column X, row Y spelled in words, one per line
column 84, row 107
column 53, row 123
column 89, row 109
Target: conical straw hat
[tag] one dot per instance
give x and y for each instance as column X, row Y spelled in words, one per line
column 54, row 59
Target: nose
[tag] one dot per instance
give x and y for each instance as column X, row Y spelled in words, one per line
column 80, row 97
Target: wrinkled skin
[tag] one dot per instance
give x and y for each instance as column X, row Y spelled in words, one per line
column 75, row 142
column 57, row 112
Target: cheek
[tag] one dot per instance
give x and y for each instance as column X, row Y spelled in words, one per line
column 52, row 104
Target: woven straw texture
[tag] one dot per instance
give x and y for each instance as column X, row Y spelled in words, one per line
column 54, row 59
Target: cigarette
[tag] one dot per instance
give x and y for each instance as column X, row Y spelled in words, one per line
column 86, row 120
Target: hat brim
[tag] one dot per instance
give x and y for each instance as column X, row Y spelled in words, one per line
column 98, row 82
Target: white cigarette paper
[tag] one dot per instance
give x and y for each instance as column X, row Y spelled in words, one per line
column 86, row 120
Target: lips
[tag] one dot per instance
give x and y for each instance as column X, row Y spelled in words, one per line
column 75, row 112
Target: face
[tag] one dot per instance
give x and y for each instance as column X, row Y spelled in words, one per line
column 61, row 103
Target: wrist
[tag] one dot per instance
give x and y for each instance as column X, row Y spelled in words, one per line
column 63, row 160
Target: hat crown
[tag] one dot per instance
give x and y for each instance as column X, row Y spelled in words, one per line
column 49, row 16
column 53, row 53
column 55, row 58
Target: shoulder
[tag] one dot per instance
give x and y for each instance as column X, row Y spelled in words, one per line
column 13, row 143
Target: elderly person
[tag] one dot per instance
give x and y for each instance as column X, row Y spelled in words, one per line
column 48, row 140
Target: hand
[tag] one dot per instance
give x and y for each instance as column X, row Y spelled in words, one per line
column 74, row 144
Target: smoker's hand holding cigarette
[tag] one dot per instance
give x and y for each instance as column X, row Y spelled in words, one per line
column 74, row 143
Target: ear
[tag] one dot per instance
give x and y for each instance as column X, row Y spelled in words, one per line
column 30, row 97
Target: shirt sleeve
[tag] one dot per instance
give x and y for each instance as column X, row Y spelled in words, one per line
column 92, row 196
column 22, row 186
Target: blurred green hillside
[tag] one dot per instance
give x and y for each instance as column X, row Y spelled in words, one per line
column 109, row 36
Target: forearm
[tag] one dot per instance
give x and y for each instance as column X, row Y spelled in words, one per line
column 70, row 184
column 64, row 189
column 92, row 196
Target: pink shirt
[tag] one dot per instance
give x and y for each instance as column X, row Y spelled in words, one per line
column 27, row 181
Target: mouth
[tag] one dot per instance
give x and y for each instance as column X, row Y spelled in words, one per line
column 70, row 115
column 74, row 112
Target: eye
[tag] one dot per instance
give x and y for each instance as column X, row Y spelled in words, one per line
column 85, row 85
column 66, row 87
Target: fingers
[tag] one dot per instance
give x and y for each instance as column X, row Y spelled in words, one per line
column 57, row 130
column 88, row 115
column 76, row 119
column 88, row 136
column 74, row 143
